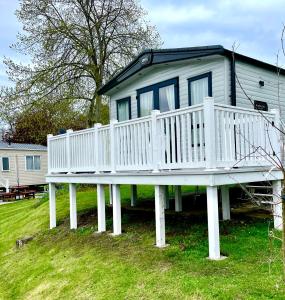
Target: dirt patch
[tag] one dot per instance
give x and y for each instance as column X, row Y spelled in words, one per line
column 194, row 211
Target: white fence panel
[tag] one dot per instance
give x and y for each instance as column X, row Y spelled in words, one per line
column 82, row 151
column 243, row 137
column 104, row 150
column 182, row 138
column 134, row 145
column 57, row 154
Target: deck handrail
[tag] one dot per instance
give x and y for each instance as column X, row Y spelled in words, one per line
column 207, row 135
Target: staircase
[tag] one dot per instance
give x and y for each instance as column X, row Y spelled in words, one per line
column 262, row 194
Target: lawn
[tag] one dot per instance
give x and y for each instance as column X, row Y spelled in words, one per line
column 65, row 264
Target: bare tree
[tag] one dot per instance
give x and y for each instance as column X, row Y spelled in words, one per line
column 75, row 46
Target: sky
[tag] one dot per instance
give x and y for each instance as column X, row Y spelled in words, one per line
column 254, row 25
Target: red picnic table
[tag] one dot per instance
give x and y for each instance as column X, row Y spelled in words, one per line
column 23, row 190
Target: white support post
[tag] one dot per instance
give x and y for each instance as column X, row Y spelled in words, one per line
column 68, row 156
column 101, row 208
column 96, row 148
column 210, row 133
column 134, row 195
column 117, row 226
column 7, row 186
column 277, row 204
column 113, row 145
column 49, row 136
column 178, row 198
column 166, row 197
column 111, row 194
column 155, row 141
column 73, row 209
column 213, row 223
column 52, row 206
column 226, row 202
column 160, row 215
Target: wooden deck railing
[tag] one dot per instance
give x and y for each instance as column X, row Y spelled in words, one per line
column 207, row 136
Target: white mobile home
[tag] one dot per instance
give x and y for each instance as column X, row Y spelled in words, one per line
column 22, row 164
column 189, row 116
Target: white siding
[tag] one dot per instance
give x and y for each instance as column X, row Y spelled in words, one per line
column 219, row 67
column 249, row 77
column 25, row 177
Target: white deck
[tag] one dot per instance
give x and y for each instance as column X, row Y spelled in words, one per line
column 194, row 177
column 209, row 144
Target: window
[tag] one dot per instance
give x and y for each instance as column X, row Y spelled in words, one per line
column 199, row 87
column 5, row 164
column 162, row 96
column 124, row 109
column 33, row 163
column 146, row 103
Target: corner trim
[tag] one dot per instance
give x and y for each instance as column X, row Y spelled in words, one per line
column 233, row 82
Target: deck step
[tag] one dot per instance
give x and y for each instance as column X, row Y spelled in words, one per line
column 267, row 202
column 259, row 186
column 262, row 195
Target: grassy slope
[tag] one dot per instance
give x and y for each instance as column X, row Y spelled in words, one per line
column 61, row 264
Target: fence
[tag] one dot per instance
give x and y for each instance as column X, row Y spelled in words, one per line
column 208, row 135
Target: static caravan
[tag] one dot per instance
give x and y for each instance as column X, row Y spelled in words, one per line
column 176, row 78
column 201, row 116
column 22, row 164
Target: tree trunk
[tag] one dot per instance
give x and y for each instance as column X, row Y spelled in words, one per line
column 95, row 109
column 98, row 109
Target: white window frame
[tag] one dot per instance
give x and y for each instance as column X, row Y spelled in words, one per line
column 2, row 163
column 33, row 156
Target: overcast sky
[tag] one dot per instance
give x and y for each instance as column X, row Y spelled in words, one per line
column 254, row 24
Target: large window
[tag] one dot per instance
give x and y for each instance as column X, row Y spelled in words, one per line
column 124, row 109
column 5, row 164
column 199, row 87
column 33, row 163
column 162, row 96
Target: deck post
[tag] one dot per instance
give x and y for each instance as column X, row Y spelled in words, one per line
column 213, row 223
column 210, row 134
column 73, row 209
column 68, row 156
column 155, row 141
column 134, row 195
column 110, row 194
column 277, row 204
column 96, row 148
column 117, row 226
column 166, row 197
column 52, row 206
column 159, row 192
column 226, row 202
column 178, row 198
column 101, row 208
column 7, row 186
column 113, row 145
column 49, row 136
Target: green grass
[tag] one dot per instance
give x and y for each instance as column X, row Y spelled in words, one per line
column 64, row 264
